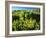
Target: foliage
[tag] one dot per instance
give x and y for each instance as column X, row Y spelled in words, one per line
column 26, row 20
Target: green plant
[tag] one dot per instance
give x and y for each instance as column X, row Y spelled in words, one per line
column 28, row 20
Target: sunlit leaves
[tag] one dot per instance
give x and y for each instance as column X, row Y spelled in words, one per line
column 26, row 21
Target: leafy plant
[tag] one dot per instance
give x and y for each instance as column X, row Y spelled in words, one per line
column 26, row 20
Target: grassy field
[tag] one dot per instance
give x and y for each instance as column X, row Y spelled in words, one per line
column 23, row 20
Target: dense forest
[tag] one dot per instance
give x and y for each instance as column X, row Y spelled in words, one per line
column 23, row 20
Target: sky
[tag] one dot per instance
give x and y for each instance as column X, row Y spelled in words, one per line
column 23, row 8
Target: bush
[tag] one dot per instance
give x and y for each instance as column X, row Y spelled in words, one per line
column 24, row 20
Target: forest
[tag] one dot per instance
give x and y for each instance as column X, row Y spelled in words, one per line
column 24, row 20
